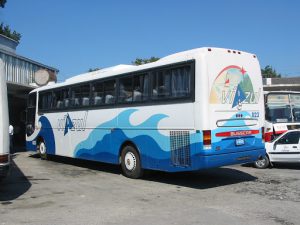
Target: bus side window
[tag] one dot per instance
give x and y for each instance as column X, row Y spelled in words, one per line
column 58, row 103
column 97, row 93
column 161, row 84
column 180, row 81
column 110, row 91
column 75, row 93
column 154, row 86
column 66, row 97
column 85, row 95
column 140, row 87
column 125, row 89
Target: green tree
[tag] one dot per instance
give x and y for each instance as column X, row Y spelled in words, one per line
column 6, row 31
column 140, row 61
column 93, row 69
column 2, row 3
column 269, row 72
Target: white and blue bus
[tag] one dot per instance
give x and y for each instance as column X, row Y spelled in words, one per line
column 192, row 110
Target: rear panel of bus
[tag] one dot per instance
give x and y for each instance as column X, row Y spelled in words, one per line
column 235, row 113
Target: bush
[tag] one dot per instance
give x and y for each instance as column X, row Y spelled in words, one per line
column 6, row 31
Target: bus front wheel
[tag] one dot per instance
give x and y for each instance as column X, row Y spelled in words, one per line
column 42, row 150
column 130, row 162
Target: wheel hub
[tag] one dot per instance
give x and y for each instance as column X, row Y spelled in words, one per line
column 42, row 148
column 130, row 161
column 261, row 162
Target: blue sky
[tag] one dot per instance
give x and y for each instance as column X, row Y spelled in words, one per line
column 74, row 35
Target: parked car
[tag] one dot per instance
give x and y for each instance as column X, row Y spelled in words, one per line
column 284, row 148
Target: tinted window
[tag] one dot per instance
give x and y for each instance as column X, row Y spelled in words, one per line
column 166, row 83
column 290, row 138
column 80, row 96
column 97, row 94
column 181, row 82
column 161, row 84
column 172, row 83
column 125, row 89
column 140, row 87
column 45, row 101
column 109, row 92
column 61, row 98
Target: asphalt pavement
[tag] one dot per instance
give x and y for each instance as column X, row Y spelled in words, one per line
column 68, row 191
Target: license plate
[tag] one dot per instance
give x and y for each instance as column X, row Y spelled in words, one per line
column 239, row 141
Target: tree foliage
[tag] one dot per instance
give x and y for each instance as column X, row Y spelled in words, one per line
column 2, row 3
column 6, row 31
column 93, row 69
column 140, row 61
column 269, row 72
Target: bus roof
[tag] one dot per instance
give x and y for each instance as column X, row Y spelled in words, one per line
column 122, row 69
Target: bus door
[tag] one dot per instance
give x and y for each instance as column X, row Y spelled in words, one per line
column 30, row 114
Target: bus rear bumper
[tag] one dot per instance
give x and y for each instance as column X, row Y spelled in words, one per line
column 210, row 161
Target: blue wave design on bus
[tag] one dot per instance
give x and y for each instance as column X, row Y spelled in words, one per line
column 104, row 144
column 46, row 132
column 153, row 146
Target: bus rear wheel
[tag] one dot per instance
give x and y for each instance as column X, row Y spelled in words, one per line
column 130, row 163
column 42, row 150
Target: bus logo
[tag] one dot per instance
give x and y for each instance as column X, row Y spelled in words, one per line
column 67, row 123
column 233, row 86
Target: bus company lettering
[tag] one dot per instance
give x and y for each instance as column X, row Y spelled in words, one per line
column 237, row 133
column 250, row 97
column 73, row 124
column 240, row 133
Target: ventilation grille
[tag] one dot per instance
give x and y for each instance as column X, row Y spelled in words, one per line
column 180, row 148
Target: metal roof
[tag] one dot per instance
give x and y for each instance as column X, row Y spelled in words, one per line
column 29, row 60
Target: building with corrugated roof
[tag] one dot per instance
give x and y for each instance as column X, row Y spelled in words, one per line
column 21, row 78
column 282, row 84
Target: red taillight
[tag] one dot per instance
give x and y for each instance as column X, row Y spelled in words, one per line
column 3, row 158
column 268, row 136
column 207, row 137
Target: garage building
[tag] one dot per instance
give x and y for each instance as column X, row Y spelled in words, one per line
column 21, row 75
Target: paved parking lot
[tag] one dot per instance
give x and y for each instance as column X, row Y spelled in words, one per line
column 67, row 191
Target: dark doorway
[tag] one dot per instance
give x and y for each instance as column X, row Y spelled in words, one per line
column 17, row 104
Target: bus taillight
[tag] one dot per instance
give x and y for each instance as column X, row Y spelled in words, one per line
column 207, row 138
column 268, row 136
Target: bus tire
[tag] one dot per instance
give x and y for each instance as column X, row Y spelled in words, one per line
column 131, row 163
column 42, row 150
column 262, row 163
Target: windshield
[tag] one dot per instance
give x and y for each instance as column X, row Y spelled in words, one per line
column 283, row 108
column 295, row 102
column 278, row 114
